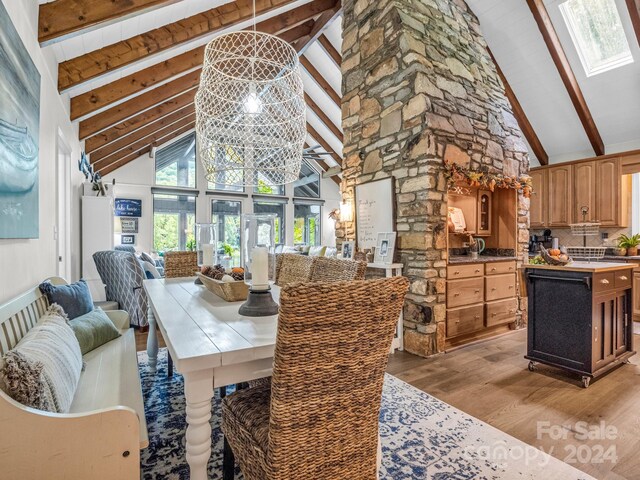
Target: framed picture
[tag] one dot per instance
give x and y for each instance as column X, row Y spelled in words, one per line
column 385, row 248
column 128, row 207
column 129, row 225
column 375, row 210
column 348, row 249
column 19, row 135
column 127, row 239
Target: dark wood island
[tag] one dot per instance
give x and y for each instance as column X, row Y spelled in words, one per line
column 580, row 317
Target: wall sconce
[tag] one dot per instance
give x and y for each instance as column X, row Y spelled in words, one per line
column 346, row 212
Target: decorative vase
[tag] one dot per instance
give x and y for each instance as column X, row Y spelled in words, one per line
column 620, row 251
column 205, row 234
column 632, row 251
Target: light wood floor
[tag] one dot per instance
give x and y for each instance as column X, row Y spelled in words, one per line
column 490, row 381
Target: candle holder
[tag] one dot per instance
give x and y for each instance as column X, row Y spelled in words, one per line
column 206, row 245
column 258, row 242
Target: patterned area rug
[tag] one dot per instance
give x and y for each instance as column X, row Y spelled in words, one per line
column 422, row 438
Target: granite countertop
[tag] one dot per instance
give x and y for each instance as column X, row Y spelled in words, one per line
column 585, row 267
column 458, row 259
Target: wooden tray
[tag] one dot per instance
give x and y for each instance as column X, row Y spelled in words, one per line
column 228, row 291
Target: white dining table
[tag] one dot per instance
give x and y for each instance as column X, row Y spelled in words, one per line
column 211, row 346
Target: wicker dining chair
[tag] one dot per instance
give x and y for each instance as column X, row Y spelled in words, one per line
column 319, row 417
column 293, row 268
column 326, row 269
column 180, row 264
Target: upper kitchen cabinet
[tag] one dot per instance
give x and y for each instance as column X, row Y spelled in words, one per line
column 538, row 205
column 584, row 188
column 561, row 192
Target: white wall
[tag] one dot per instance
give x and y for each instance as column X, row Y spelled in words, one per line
column 25, row 263
column 135, row 180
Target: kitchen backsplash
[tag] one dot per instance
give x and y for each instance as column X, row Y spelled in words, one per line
column 567, row 239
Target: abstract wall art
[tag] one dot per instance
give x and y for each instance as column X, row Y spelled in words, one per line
column 19, row 135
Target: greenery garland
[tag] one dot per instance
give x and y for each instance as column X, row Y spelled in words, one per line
column 456, row 174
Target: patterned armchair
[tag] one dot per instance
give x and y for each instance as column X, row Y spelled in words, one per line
column 122, row 276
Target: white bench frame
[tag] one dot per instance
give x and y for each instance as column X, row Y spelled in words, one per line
column 34, row 445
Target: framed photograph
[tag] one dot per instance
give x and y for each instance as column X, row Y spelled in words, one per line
column 127, row 239
column 348, row 249
column 129, row 225
column 385, row 248
column 375, row 210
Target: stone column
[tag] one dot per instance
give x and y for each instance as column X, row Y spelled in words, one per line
column 419, row 87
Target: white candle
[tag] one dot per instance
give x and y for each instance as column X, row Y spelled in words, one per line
column 260, row 268
column 207, row 254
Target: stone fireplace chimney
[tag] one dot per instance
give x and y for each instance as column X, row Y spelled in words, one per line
column 419, row 87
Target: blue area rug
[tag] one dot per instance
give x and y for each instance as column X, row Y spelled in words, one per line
column 422, row 438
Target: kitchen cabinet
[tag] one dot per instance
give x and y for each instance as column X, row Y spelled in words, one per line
column 538, row 203
column 561, row 191
column 481, row 300
column 609, row 193
column 584, row 188
column 580, row 317
column 636, row 295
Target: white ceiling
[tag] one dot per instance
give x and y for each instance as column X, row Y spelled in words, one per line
column 613, row 97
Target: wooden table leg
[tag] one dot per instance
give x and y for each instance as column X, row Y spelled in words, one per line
column 152, row 341
column 198, row 391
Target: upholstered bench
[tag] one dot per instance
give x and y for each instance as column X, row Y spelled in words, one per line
column 101, row 436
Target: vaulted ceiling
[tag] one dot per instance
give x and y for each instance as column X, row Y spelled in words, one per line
column 131, row 69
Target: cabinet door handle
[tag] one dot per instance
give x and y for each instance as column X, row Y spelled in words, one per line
column 493, row 269
column 604, row 281
column 512, row 311
column 477, row 271
column 623, row 277
column 477, row 291
column 456, row 294
column 477, row 317
column 493, row 314
column 456, row 272
column 510, row 287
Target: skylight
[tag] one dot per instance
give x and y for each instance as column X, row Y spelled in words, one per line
column 597, row 34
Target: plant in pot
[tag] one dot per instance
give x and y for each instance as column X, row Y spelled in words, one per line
column 228, row 254
column 629, row 243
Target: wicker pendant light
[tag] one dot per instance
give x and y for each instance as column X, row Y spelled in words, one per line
column 250, row 111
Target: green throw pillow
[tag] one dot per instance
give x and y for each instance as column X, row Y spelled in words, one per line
column 93, row 329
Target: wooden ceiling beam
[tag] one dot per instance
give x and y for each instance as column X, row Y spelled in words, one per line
column 134, row 132
column 330, row 49
column 106, row 169
column 94, row 64
column 321, row 81
column 634, row 12
column 124, row 144
column 289, row 30
column 554, row 45
column 321, row 23
column 152, row 139
column 526, row 127
column 131, row 107
column 148, row 116
column 63, row 18
column 323, row 143
column 323, row 116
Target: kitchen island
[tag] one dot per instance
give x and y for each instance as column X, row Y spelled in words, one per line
column 580, row 316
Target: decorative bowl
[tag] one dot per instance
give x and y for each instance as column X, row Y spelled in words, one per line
column 229, row 291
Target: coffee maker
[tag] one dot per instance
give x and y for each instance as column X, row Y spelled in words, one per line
column 546, row 240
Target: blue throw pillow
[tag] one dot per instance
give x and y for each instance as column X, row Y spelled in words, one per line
column 75, row 298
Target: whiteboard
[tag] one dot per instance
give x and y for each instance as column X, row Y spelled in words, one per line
column 374, row 211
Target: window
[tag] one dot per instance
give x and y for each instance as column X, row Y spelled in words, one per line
column 176, row 163
column 173, row 222
column 265, row 188
column 597, row 33
column 308, row 183
column 306, row 225
column 278, row 210
column 226, row 215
